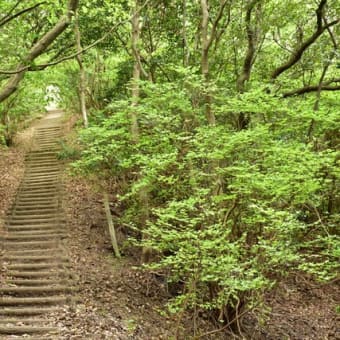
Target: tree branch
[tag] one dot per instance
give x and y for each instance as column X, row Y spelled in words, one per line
column 215, row 23
column 331, row 34
column 71, row 56
column 11, row 10
column 297, row 54
column 7, row 19
column 326, row 86
column 40, row 47
column 223, row 28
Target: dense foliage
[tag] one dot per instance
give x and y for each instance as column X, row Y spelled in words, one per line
column 216, row 126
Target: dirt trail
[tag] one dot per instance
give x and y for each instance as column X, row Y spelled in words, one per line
column 35, row 262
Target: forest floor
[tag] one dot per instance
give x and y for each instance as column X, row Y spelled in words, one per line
column 114, row 300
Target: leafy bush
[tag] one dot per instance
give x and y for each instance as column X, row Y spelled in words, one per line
column 229, row 212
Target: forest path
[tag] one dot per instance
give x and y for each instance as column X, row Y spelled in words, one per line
column 36, row 267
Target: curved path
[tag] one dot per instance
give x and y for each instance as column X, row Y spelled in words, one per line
column 37, row 278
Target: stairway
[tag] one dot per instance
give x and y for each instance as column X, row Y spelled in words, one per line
column 37, row 277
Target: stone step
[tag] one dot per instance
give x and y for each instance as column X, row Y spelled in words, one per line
column 11, row 330
column 37, row 212
column 36, row 274
column 46, row 251
column 34, row 258
column 49, row 159
column 36, row 200
column 55, row 231
column 37, row 216
column 35, row 237
column 31, row 216
column 39, row 193
column 18, row 311
column 21, row 301
column 37, row 266
column 42, row 164
column 32, row 207
column 37, row 180
column 42, row 167
column 40, row 226
column 30, row 244
column 28, row 188
column 36, row 205
column 25, row 221
column 50, row 193
column 43, row 175
column 28, row 182
column 59, row 227
column 43, row 171
column 37, row 282
column 35, row 153
column 28, row 320
column 29, row 290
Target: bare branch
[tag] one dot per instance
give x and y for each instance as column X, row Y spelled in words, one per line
column 331, row 34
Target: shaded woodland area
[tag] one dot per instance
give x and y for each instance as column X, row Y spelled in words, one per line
column 211, row 129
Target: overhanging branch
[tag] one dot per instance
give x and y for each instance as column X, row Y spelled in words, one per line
column 7, row 19
column 39, row 48
column 326, row 86
column 71, row 56
column 297, row 54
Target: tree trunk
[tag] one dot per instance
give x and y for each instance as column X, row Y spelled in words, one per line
column 206, row 42
column 82, row 75
column 243, row 119
column 186, row 51
column 136, row 73
column 135, row 133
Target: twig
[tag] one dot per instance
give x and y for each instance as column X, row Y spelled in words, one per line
column 227, row 215
column 228, row 324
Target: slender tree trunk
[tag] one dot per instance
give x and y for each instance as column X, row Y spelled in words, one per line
column 135, row 92
column 243, row 77
column 135, row 131
column 206, row 42
column 82, row 75
column 186, row 51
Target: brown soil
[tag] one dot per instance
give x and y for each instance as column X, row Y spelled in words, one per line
column 299, row 308
column 116, row 301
